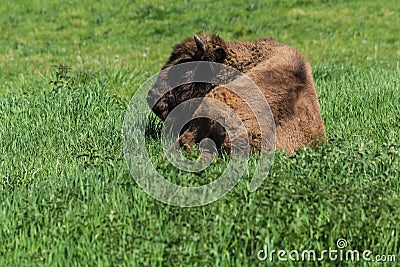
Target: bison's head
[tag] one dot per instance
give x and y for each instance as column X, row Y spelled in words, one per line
column 205, row 48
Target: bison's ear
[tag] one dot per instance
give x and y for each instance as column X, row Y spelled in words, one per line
column 201, row 48
column 220, row 54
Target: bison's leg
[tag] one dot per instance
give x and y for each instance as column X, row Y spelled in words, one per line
column 199, row 129
column 194, row 132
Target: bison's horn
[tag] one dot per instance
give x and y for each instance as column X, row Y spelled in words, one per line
column 200, row 44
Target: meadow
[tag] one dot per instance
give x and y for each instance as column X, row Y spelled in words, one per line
column 68, row 70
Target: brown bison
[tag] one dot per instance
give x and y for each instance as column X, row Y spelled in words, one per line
column 281, row 73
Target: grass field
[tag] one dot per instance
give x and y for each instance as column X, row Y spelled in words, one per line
column 67, row 72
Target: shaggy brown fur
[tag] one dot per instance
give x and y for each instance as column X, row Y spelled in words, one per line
column 280, row 72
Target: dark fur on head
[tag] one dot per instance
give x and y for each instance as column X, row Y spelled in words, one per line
column 204, row 48
column 214, row 49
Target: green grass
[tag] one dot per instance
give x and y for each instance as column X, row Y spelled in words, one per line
column 66, row 194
